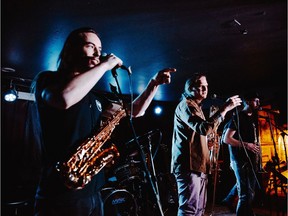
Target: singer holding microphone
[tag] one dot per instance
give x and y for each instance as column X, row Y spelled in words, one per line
column 69, row 111
column 190, row 162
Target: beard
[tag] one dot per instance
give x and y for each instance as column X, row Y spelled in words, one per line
column 88, row 62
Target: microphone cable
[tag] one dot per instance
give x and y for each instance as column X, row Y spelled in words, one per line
column 131, row 94
column 237, row 124
column 154, row 184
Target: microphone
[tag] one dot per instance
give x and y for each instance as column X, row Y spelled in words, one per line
column 269, row 110
column 104, row 57
column 215, row 96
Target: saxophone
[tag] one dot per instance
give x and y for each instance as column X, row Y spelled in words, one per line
column 258, row 156
column 89, row 158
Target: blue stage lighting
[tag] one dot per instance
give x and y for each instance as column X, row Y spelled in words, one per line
column 158, row 110
column 10, row 95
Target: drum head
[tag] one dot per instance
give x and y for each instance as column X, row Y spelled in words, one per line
column 127, row 173
column 119, row 203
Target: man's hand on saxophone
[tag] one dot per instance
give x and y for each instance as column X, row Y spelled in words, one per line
column 253, row 147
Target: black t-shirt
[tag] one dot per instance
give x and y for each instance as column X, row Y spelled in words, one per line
column 62, row 132
column 247, row 134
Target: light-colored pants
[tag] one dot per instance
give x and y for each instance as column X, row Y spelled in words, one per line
column 192, row 193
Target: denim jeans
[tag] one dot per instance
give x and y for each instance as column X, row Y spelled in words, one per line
column 246, row 181
column 192, row 193
column 231, row 195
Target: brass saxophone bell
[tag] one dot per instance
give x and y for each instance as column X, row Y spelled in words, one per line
column 89, row 159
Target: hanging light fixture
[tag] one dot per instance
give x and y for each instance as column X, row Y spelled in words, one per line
column 10, row 95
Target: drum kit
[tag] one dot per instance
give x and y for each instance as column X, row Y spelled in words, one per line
column 128, row 191
column 119, row 202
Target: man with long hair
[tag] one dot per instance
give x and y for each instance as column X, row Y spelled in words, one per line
column 69, row 112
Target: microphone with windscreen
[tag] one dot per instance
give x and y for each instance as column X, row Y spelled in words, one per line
column 104, row 56
column 215, row 96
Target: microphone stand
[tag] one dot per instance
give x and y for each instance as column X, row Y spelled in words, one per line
column 273, row 140
column 283, row 134
column 275, row 184
column 148, row 173
column 154, row 173
column 283, row 137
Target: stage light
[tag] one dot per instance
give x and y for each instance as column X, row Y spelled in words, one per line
column 158, row 110
column 10, row 95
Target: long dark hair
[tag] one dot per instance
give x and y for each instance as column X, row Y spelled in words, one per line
column 68, row 55
column 66, row 61
column 70, row 51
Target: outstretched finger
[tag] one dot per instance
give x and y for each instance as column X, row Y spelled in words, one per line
column 168, row 70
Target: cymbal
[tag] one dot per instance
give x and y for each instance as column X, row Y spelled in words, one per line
column 7, row 70
column 134, row 162
column 146, row 135
column 134, row 153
